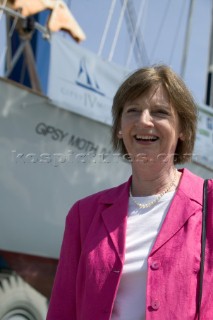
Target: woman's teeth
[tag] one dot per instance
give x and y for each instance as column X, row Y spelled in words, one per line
column 146, row 138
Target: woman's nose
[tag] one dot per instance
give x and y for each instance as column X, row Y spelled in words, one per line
column 145, row 118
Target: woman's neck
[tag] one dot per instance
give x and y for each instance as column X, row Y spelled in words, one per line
column 149, row 181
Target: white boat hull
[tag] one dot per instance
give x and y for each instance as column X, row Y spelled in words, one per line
column 47, row 164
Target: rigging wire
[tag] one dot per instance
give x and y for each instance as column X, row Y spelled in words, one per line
column 160, row 30
column 118, row 29
column 138, row 45
column 187, row 38
column 177, row 32
column 141, row 10
column 107, row 25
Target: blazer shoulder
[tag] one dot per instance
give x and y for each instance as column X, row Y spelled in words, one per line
column 210, row 185
column 106, row 196
column 210, row 197
column 86, row 209
column 191, row 185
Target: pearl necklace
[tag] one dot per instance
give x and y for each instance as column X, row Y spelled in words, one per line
column 153, row 202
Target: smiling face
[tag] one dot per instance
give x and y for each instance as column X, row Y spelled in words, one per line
column 150, row 125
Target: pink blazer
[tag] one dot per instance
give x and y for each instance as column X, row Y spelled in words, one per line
column 92, row 256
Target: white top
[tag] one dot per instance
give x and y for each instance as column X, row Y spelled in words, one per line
column 143, row 226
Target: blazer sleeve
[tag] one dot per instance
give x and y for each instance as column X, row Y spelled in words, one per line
column 63, row 298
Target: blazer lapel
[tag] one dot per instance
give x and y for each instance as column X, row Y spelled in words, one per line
column 185, row 203
column 115, row 216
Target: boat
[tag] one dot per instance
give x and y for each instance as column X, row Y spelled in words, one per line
column 50, row 158
column 55, row 149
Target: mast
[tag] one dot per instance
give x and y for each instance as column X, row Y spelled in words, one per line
column 209, row 89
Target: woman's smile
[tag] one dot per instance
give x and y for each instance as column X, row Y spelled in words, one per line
column 146, row 139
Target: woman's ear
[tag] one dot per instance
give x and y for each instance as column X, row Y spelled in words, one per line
column 181, row 136
column 120, row 134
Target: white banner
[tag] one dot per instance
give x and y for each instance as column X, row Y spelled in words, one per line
column 3, row 46
column 81, row 81
column 203, row 152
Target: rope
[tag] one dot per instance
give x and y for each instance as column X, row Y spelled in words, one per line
column 117, row 30
column 107, row 25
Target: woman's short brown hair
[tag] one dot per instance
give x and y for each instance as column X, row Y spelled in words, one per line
column 140, row 82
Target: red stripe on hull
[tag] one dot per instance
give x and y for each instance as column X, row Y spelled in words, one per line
column 37, row 271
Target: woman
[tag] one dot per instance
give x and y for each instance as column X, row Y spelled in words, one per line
column 133, row 252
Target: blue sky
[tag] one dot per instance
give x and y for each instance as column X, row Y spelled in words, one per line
column 162, row 26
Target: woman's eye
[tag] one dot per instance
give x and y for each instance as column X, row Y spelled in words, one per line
column 131, row 110
column 161, row 111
